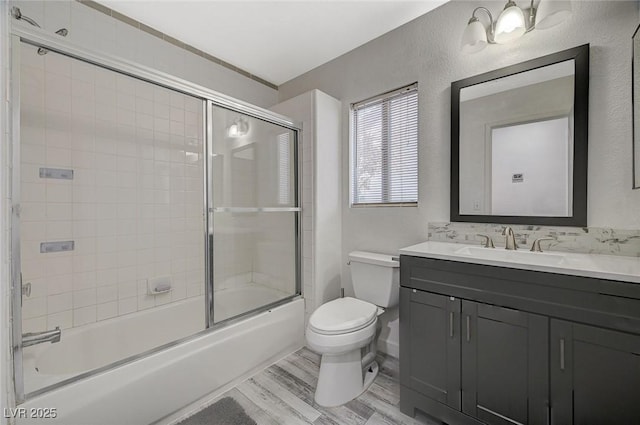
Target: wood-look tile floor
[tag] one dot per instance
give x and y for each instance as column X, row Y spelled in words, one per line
column 283, row 393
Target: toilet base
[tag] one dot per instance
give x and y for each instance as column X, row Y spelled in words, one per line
column 343, row 378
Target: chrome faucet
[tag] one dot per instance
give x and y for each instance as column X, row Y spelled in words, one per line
column 33, row 338
column 487, row 241
column 510, row 240
column 535, row 246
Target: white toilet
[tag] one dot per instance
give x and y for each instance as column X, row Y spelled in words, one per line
column 344, row 330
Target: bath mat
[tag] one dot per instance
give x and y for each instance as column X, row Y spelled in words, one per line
column 225, row 411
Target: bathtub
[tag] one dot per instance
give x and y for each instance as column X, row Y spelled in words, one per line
column 152, row 387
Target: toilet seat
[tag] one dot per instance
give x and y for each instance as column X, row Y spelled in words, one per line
column 343, row 315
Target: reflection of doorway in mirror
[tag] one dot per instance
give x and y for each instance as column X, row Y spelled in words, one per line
column 530, row 168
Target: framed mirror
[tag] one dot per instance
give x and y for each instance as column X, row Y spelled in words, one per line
column 635, row 93
column 519, row 143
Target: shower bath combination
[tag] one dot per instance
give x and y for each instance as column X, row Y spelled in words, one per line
column 159, row 229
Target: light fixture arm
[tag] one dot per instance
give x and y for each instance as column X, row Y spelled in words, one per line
column 532, row 17
column 492, row 24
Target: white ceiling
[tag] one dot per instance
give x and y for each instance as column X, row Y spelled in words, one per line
column 275, row 40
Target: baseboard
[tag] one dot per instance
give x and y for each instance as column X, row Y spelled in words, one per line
column 389, row 347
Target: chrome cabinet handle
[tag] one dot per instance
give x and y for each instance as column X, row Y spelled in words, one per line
column 468, row 328
column 451, row 318
column 561, row 353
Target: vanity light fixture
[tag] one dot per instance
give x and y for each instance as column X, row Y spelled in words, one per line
column 512, row 23
column 239, row 128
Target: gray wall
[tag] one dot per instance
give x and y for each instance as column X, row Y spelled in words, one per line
column 427, row 50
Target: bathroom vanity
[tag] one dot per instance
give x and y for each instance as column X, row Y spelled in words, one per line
column 516, row 337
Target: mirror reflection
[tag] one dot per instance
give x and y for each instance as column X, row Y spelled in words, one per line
column 516, row 144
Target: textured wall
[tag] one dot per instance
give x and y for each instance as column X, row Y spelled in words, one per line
column 427, row 50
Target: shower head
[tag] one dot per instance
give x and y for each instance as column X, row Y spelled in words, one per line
column 15, row 11
column 17, row 14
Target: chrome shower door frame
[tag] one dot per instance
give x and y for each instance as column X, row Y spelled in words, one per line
column 40, row 38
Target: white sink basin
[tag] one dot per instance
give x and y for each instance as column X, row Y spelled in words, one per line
column 501, row 254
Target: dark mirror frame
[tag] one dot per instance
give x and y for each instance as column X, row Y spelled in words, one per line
column 635, row 125
column 581, row 122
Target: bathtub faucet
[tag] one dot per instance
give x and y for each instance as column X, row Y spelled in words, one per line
column 33, row 338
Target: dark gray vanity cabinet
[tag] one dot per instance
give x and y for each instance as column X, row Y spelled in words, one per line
column 486, row 361
column 595, row 375
column 490, row 345
column 504, row 364
column 432, row 344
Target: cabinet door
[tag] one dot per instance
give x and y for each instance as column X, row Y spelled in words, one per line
column 504, row 365
column 595, row 375
column 430, row 341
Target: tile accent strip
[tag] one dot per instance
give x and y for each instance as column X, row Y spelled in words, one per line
column 139, row 25
column 587, row 240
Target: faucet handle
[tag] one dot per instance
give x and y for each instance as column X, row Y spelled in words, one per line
column 535, row 246
column 487, row 242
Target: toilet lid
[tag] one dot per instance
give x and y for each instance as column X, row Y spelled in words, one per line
column 343, row 315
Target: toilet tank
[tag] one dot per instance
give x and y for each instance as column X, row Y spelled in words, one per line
column 375, row 277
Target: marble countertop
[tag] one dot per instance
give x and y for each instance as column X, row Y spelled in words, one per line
column 612, row 267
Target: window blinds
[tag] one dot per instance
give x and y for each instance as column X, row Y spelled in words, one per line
column 384, row 167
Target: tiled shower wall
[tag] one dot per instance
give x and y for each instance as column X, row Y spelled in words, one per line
column 134, row 207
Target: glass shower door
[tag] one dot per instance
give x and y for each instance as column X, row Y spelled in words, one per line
column 254, row 204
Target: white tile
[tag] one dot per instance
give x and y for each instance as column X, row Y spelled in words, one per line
column 58, row 64
column 128, row 305
column 36, row 324
column 56, row 157
column 34, row 307
column 33, row 231
column 106, row 277
column 84, row 315
column 126, row 275
column 84, row 298
column 107, row 310
column 106, row 293
column 59, row 284
column 84, row 228
column 57, row 139
column 146, row 301
column 125, row 86
column 60, row 302
column 84, row 212
column 33, row 192
column 60, row 230
column 59, row 193
column 84, row 280
column 57, row 265
column 33, row 154
column 84, row 263
column 63, row 320
column 85, row 246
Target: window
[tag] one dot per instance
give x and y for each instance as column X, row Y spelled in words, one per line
column 384, row 167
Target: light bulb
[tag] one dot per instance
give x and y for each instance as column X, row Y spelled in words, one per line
column 510, row 25
column 233, row 130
